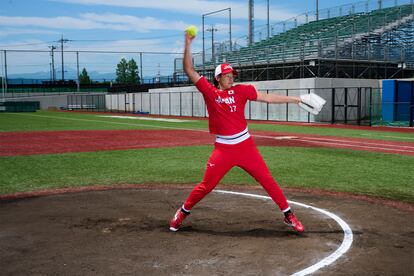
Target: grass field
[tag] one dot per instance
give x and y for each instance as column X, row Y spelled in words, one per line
column 385, row 175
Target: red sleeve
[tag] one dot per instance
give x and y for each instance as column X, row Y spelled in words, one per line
column 249, row 91
column 204, row 86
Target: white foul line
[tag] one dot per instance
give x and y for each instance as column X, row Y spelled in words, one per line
column 342, row 143
column 327, row 140
column 342, row 249
column 350, row 145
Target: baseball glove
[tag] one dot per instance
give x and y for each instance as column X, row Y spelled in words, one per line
column 311, row 103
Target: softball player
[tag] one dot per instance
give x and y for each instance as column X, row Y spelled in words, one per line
column 234, row 146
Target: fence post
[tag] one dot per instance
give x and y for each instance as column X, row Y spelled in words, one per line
column 359, row 106
column 333, row 107
column 370, row 106
column 133, row 103
column 192, row 104
column 110, row 102
column 180, row 105
column 250, row 110
column 411, row 109
column 117, row 104
column 287, row 107
column 267, row 108
column 346, row 105
column 308, row 112
column 125, row 103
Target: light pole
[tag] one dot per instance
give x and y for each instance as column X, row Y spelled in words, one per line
column 202, row 19
column 251, row 22
column 212, row 30
column 268, row 19
column 317, row 10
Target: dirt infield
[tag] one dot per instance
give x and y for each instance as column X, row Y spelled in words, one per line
column 50, row 142
column 106, row 231
column 125, row 232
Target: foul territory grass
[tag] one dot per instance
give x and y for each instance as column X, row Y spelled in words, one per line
column 384, row 175
column 57, row 121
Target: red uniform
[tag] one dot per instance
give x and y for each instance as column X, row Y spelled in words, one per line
column 234, row 146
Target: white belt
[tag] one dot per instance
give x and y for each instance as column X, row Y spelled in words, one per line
column 233, row 139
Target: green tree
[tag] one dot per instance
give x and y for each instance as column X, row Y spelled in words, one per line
column 122, row 72
column 133, row 77
column 127, row 72
column 84, row 77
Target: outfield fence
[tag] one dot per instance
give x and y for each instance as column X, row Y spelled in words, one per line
column 350, row 105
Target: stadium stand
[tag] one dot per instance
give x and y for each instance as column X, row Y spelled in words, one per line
column 382, row 35
column 320, row 38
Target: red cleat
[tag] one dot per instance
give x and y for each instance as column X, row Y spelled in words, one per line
column 291, row 220
column 177, row 220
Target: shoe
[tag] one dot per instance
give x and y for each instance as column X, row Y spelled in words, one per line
column 291, row 220
column 177, row 220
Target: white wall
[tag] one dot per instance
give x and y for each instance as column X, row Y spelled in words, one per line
column 281, row 112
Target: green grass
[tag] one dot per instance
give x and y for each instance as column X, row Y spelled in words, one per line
column 54, row 121
column 385, row 175
column 57, row 121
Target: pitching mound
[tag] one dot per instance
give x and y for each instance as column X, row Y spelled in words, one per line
column 125, row 232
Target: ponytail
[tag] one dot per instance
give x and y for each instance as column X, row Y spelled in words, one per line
column 216, row 83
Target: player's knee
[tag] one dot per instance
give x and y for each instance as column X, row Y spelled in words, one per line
column 206, row 187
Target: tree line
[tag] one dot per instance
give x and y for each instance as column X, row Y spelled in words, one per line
column 126, row 73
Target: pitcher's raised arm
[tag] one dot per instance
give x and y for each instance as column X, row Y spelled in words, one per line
column 188, row 60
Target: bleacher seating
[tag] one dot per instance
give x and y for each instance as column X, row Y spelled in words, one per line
column 326, row 38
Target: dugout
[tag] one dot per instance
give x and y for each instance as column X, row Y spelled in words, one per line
column 21, row 106
column 398, row 101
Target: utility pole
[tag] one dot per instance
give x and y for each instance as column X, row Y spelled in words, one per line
column 61, row 47
column 52, row 48
column 212, row 30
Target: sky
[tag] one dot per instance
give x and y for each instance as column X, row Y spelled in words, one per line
column 130, row 25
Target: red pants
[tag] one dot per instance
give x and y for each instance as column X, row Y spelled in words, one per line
column 246, row 156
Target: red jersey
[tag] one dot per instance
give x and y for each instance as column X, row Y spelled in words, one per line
column 226, row 107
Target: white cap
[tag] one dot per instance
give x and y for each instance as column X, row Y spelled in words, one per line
column 224, row 68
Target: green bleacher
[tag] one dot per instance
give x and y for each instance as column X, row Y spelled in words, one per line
column 315, row 39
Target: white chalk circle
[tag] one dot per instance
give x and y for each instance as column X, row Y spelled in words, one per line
column 342, row 249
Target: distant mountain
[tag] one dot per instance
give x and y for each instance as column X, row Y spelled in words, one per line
column 69, row 74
